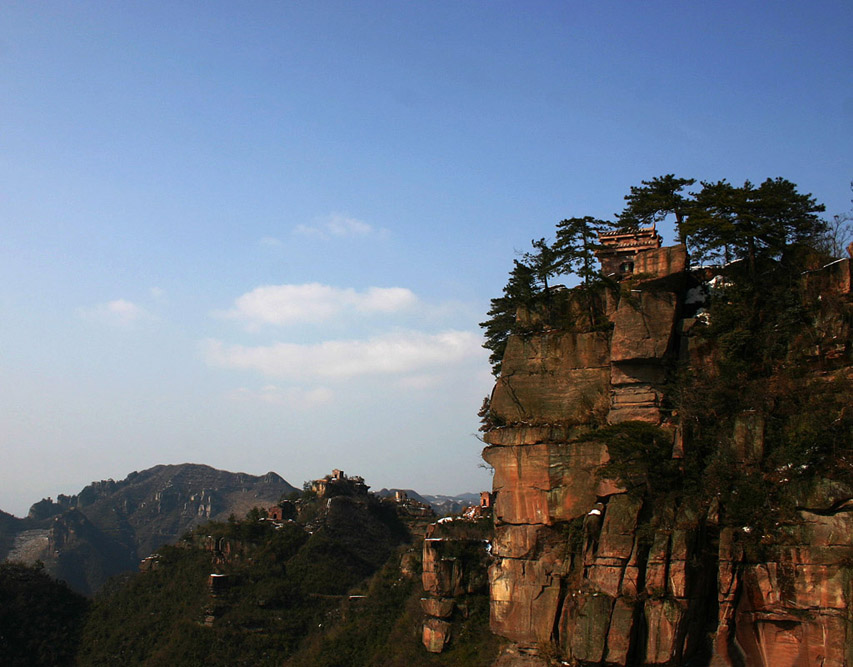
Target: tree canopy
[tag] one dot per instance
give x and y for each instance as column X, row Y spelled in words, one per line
column 545, row 262
column 577, row 241
column 654, row 200
column 718, row 222
column 520, row 290
column 749, row 222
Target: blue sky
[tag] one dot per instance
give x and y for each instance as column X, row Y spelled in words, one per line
column 260, row 235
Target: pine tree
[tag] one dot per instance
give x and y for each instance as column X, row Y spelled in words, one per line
column 520, row 290
column 655, row 200
column 577, row 241
column 576, row 244
column 752, row 223
column 545, row 262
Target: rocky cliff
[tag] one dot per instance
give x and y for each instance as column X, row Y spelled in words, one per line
column 661, row 497
column 455, row 563
column 110, row 525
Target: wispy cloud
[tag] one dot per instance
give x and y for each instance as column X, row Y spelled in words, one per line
column 396, row 353
column 313, row 302
column 120, row 312
column 335, row 226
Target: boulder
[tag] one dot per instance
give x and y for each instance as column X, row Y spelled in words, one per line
column 572, row 396
column 441, row 576
column 661, row 262
column 619, row 633
column 525, row 598
column 438, row 607
column 643, row 326
column 552, row 378
column 589, row 635
column 436, row 635
column 517, row 541
column 664, row 618
column 547, row 482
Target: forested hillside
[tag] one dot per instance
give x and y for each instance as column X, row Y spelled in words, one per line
column 333, row 580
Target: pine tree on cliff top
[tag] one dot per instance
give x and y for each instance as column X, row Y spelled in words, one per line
column 576, row 245
column 751, row 222
column 654, row 200
column 545, row 262
column 520, row 290
column 530, row 279
column 721, row 221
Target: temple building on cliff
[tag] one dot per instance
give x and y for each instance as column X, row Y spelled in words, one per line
column 338, row 484
column 620, row 249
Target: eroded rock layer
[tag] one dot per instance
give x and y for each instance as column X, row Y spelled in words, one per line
column 588, row 574
column 454, row 569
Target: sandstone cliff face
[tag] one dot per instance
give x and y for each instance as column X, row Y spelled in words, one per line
column 588, row 574
column 455, row 558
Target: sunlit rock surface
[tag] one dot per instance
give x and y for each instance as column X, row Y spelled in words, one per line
column 585, row 574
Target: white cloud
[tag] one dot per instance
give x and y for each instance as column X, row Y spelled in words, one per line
column 335, row 226
column 120, row 312
column 297, row 398
column 396, row 353
column 313, row 302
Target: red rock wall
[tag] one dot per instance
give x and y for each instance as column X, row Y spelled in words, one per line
column 454, row 567
column 585, row 572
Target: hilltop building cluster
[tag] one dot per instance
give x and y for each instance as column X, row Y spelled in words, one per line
column 338, row 484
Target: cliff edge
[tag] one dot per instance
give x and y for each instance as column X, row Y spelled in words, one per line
column 674, row 482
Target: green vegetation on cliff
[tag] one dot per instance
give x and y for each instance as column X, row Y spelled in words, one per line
column 765, row 421
column 275, row 584
column 772, row 222
column 704, row 511
column 40, row 618
column 338, row 584
column 384, row 630
column 773, row 418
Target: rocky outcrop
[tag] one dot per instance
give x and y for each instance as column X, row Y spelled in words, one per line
column 455, row 562
column 29, row 545
column 555, row 377
column 794, row 608
column 589, row 574
column 661, row 262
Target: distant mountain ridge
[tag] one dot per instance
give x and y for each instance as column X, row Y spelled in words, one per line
column 110, row 525
column 441, row 504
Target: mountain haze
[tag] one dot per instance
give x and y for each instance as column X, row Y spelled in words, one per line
column 111, row 525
